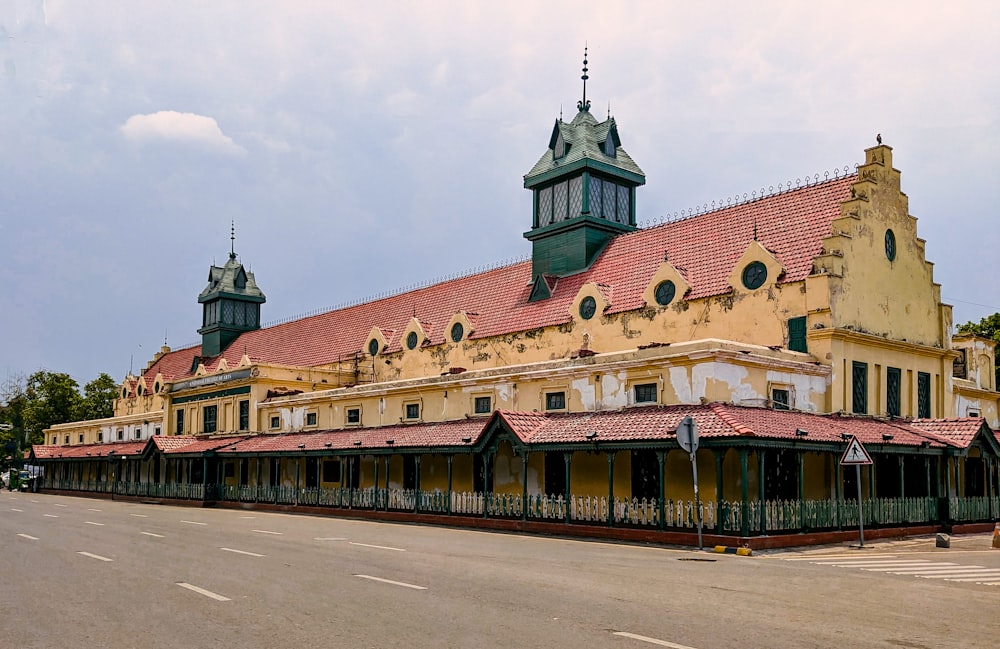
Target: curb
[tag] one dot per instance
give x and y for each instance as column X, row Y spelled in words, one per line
column 743, row 552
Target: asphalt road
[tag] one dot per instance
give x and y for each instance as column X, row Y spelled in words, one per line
column 77, row 572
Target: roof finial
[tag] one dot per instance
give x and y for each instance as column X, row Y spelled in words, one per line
column 232, row 240
column 584, row 105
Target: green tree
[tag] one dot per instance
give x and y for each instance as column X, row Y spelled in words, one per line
column 988, row 327
column 98, row 398
column 12, row 403
column 52, row 398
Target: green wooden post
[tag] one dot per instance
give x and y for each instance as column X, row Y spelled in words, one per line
column 524, row 485
column 204, row 476
column 837, row 490
column 416, row 484
column 375, row 499
column 744, row 495
column 567, row 456
column 719, row 491
column 660, row 457
column 487, row 491
column 761, row 455
column 802, row 489
column 450, row 459
column 611, row 488
column 902, row 477
column 927, row 475
column 350, row 481
column 298, row 476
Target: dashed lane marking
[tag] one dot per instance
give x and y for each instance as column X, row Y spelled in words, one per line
column 93, row 523
column 268, row 532
column 95, row 556
column 249, row 554
column 330, row 538
column 50, row 516
column 656, row 641
column 14, row 509
column 28, row 536
column 394, row 583
column 378, row 547
column 59, row 505
column 139, row 515
column 201, row 591
column 94, row 510
column 194, row 523
column 159, row 536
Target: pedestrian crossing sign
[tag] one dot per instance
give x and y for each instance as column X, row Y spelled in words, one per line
column 855, row 454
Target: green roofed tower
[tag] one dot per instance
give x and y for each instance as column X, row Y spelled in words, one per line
column 230, row 305
column 584, row 193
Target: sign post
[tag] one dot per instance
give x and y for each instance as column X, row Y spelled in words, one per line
column 687, row 437
column 856, row 455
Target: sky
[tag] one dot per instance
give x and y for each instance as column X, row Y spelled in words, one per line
column 361, row 148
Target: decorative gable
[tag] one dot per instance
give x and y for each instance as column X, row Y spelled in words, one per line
column 756, row 269
column 667, row 286
column 591, row 300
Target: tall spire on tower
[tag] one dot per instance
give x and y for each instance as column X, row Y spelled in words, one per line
column 232, row 240
column 584, row 104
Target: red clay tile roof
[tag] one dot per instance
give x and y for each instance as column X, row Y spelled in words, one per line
column 791, row 225
column 87, row 451
column 403, row 436
column 960, row 431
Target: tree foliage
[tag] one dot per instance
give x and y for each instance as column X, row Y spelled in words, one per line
column 98, row 398
column 988, row 327
column 53, row 398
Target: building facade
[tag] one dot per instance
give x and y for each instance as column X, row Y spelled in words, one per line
column 552, row 388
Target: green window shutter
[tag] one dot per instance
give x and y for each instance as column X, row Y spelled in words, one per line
column 797, row 334
column 923, row 395
column 893, row 381
column 860, row 391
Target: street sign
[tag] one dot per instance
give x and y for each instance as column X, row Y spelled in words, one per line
column 855, row 454
column 687, row 435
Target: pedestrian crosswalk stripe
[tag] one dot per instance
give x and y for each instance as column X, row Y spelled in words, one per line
column 979, row 578
column 826, row 557
column 889, row 564
column 865, row 564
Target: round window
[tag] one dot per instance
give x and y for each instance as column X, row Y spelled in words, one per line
column 665, row 292
column 373, row 347
column 411, row 340
column 457, row 331
column 754, row 275
column 890, row 245
column 588, row 307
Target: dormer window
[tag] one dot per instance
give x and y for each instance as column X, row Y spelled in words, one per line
column 241, row 279
column 559, row 148
column 608, row 147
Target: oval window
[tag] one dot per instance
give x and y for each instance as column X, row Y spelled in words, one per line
column 373, row 346
column 754, row 275
column 665, row 292
column 411, row 340
column 457, row 331
column 588, row 307
column 890, row 245
column 124, row 392
column 156, row 387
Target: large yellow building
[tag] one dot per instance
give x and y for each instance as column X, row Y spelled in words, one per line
column 552, row 389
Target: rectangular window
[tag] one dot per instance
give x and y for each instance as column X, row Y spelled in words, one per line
column 923, row 395
column 331, row 471
column 354, row 415
column 244, row 415
column 100, row 438
column 310, row 419
column 409, row 472
column 860, row 388
column 180, row 422
column 645, row 393
column 210, row 415
column 555, row 400
column 121, row 435
column 413, row 411
column 275, row 421
column 797, row 334
column 138, row 433
column 555, row 473
column 483, row 406
column 779, row 399
column 156, row 431
column 55, row 440
column 312, row 472
column 893, row 390
column 230, row 470
column 81, row 439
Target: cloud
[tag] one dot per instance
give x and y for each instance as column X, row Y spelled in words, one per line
column 169, row 125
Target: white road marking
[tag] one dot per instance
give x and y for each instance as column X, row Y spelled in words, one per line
column 50, row 516
column 268, row 532
column 379, row 547
column 863, row 564
column 159, row 536
column 194, row 523
column 827, row 557
column 16, row 510
column 34, row 501
column 95, row 556
column 28, row 536
column 59, row 505
column 202, row 591
column 661, row 643
column 249, row 554
column 978, row 578
column 93, row 510
column 139, row 515
column 248, row 518
column 330, row 538
column 93, row 523
column 394, row 583
column 953, row 576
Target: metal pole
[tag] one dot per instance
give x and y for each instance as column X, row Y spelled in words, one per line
column 697, row 498
column 861, row 516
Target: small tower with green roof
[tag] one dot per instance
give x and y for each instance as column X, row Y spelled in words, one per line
column 584, row 194
column 230, row 304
